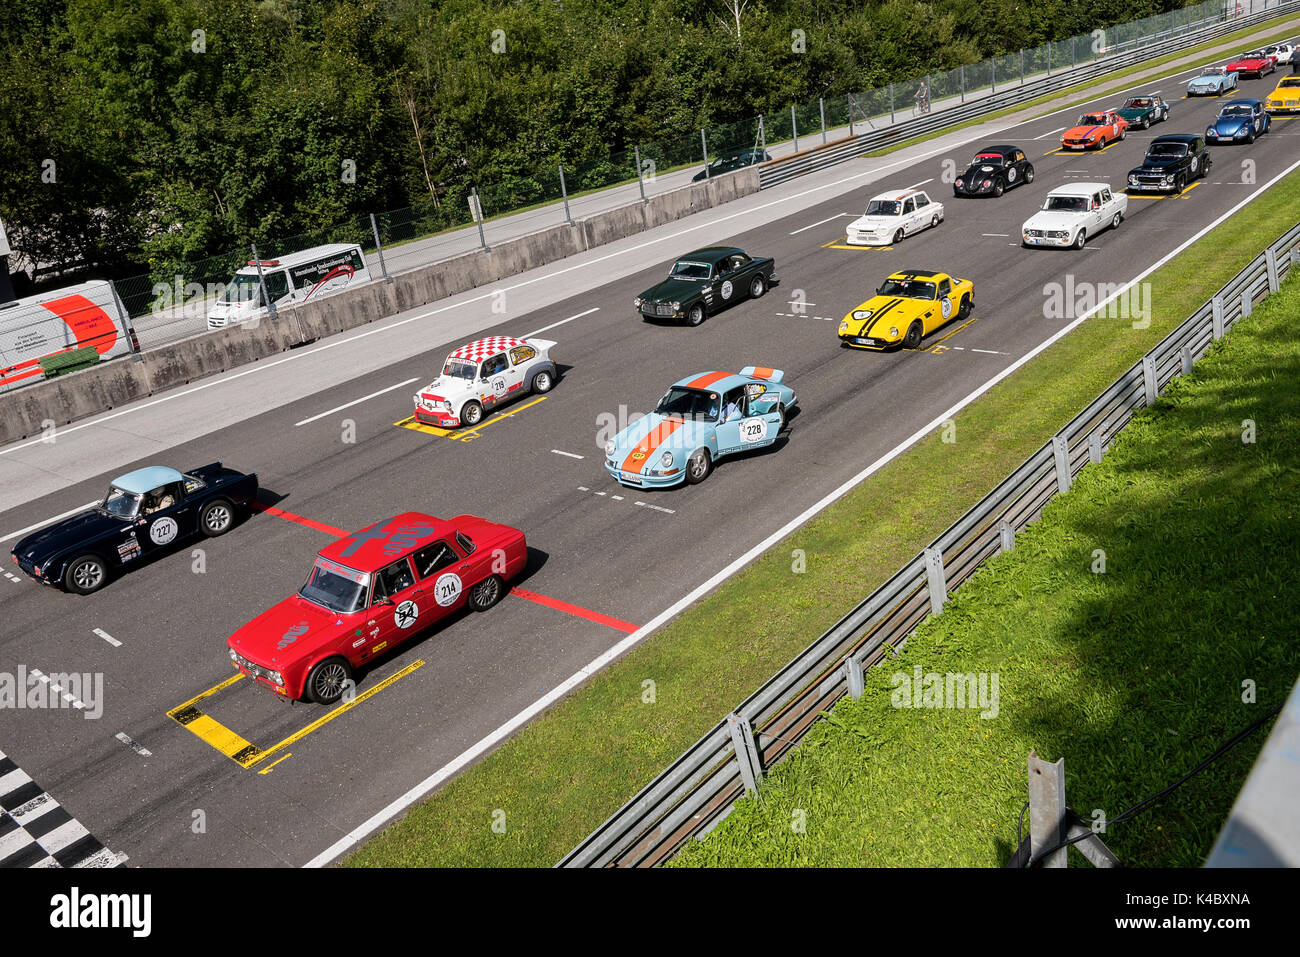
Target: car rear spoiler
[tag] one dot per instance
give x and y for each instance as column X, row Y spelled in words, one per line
column 541, row 345
column 761, row 372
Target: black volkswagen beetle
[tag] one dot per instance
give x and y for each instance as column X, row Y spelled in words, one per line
column 705, row 281
column 993, row 171
column 142, row 513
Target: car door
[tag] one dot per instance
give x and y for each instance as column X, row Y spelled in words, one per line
column 923, row 212
column 521, row 357
column 757, row 423
column 165, row 515
column 398, row 609
column 909, row 216
column 942, row 309
column 734, row 408
column 728, row 284
column 448, row 570
column 1096, row 212
column 494, row 380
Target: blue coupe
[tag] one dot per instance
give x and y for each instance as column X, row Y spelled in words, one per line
column 700, row 419
column 1239, row 121
column 1213, row 81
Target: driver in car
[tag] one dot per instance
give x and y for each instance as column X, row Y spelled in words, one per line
column 156, row 501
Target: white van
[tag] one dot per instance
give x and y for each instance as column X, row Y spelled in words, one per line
column 58, row 321
column 310, row 274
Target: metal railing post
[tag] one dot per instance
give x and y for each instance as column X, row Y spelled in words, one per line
column 742, row 739
column 1216, row 308
column 476, row 207
column 1149, row 391
column 762, row 134
column 849, row 99
column 853, row 675
column 1022, row 67
column 794, row 128
column 1061, row 453
column 379, row 248
column 993, row 75
column 1074, row 51
column 1247, row 303
column 1046, row 809
column 132, row 339
column 1007, row 534
column 1049, row 59
column 564, row 191
column 1270, row 264
column 261, row 284
column 961, row 70
column 891, row 102
column 935, row 580
column 704, row 142
column 821, row 107
column 1187, row 360
column 1095, row 451
column 640, row 182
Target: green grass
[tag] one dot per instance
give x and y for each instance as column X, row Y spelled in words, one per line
column 1133, row 675
column 572, row 767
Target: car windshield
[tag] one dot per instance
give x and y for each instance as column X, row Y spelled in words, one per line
column 987, row 159
column 689, row 270
column 1290, row 81
column 120, row 503
column 242, row 288
column 460, row 369
column 689, row 404
column 1092, row 119
column 1235, row 111
column 1070, row 204
column 336, row 587
column 908, row 288
column 1138, row 103
column 1167, row 149
column 1214, row 71
column 884, row 207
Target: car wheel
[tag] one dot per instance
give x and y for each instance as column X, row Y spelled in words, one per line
column 542, row 383
column 1146, row 123
column 328, row 680
column 85, row 574
column 934, row 220
column 780, row 425
column 698, row 466
column 471, row 414
column 1081, row 239
column 486, row 593
column 216, row 517
column 1251, row 137
column 964, row 309
column 1123, row 132
column 757, row 287
column 1029, row 173
column 898, row 236
column 914, row 335
column 998, row 189
column 696, row 315
column 1116, row 220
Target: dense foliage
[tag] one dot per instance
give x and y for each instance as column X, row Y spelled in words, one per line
column 156, row 131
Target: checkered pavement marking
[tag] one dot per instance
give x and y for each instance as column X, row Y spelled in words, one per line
column 35, row 831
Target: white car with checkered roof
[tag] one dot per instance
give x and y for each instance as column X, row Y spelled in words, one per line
column 483, row 375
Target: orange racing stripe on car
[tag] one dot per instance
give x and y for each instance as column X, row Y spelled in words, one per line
column 706, row 380
column 646, row 447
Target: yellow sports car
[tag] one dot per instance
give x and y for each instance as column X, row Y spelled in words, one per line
column 907, row 307
column 1286, row 98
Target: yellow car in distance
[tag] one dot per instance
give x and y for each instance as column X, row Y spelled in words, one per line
column 1286, row 98
column 907, row 307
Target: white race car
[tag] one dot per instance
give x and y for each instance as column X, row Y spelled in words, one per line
column 1283, row 52
column 1073, row 213
column 891, row 216
column 483, row 375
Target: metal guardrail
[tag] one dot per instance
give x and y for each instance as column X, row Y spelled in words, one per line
column 786, row 168
column 698, row 789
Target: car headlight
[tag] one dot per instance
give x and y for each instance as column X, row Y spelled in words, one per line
column 1132, row 180
column 636, row 303
column 609, row 448
column 1210, row 131
column 233, row 656
column 666, row 460
column 893, row 331
column 861, row 314
column 988, row 183
column 958, row 180
column 675, row 306
column 844, row 325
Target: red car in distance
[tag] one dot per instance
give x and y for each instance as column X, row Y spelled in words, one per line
column 1255, row 64
column 369, row 592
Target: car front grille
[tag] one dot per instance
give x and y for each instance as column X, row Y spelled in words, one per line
column 257, row 671
column 657, row 309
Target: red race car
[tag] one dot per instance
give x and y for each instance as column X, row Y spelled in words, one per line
column 1254, row 64
column 371, row 591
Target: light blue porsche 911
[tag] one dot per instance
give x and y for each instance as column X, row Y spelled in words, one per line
column 700, row 419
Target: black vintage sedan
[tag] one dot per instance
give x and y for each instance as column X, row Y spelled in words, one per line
column 1171, row 163
column 993, row 171
column 142, row 513
column 704, row 282
column 729, row 164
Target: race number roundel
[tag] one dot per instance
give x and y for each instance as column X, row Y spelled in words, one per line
column 499, row 385
column 163, row 531
column 753, row 430
column 726, row 289
column 406, row 614
column 946, row 307
column 447, row 589
column 1011, row 174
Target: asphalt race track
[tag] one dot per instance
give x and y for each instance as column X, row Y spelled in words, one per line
column 605, row 559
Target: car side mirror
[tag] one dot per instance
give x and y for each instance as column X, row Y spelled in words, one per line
column 382, row 600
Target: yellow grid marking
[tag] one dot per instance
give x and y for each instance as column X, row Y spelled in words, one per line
column 843, row 244
column 464, row 434
column 934, row 346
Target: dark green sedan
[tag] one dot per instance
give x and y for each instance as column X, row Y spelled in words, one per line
column 705, row 282
column 1142, row 111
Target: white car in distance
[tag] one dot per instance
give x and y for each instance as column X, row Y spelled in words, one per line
column 1073, row 213
column 891, row 216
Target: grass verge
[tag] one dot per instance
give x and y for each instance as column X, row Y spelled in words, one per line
column 1133, row 672
column 572, row 767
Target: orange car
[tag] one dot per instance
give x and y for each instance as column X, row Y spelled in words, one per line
column 1095, row 131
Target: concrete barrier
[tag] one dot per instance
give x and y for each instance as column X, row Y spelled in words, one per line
column 28, row 411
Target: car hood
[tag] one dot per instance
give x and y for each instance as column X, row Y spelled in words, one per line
column 448, row 387
column 886, row 311
column 299, row 625
column 871, row 223
column 1230, row 124
column 980, row 171
column 1081, row 132
column 674, row 290
column 80, row 529
column 642, row 443
column 1135, row 112
column 1053, row 219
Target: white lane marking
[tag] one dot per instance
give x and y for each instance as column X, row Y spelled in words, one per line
column 711, row 225
column 348, row 405
column 137, row 748
column 529, row 335
column 920, row 184
column 989, row 352
column 48, row 521
column 657, row 508
column 489, row 741
column 600, row 493
column 572, row 455
column 583, row 488
column 13, row 578
column 617, row 498
column 821, row 222
column 107, row 637
column 1053, row 133
column 1003, row 235
column 69, row 698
